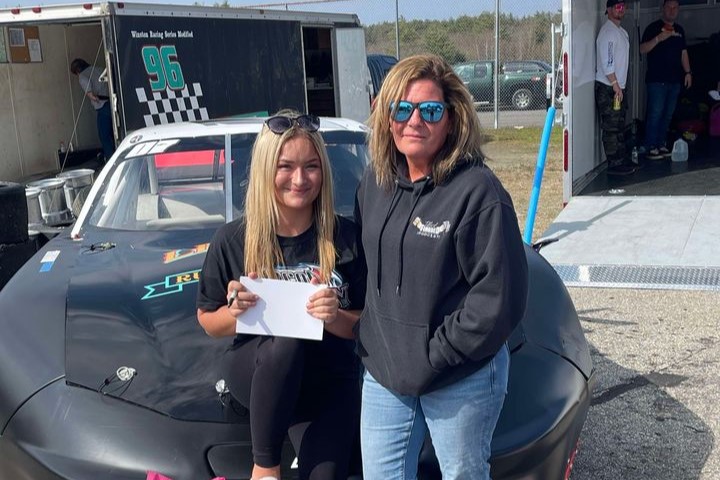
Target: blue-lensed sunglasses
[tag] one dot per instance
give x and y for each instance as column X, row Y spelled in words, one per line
column 431, row 112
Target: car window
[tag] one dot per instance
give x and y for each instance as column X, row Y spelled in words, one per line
column 465, row 72
column 480, row 70
column 179, row 184
column 158, row 185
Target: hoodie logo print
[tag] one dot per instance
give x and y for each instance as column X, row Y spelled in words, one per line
column 431, row 229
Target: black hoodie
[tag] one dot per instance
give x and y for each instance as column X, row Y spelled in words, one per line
column 447, row 276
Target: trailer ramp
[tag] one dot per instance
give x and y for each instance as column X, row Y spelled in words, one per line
column 660, row 242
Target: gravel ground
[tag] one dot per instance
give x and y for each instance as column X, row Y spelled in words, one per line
column 656, row 406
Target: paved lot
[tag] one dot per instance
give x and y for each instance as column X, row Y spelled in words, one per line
column 656, row 406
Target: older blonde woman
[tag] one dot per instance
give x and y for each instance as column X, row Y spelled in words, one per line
column 305, row 388
column 447, row 279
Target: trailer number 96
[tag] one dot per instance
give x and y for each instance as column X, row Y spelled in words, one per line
column 163, row 67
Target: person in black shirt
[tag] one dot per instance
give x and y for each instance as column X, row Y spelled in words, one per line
column 304, row 388
column 668, row 70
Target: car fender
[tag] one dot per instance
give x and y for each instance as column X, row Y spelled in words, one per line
column 33, row 325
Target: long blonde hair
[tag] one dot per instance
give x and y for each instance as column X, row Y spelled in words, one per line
column 262, row 249
column 464, row 139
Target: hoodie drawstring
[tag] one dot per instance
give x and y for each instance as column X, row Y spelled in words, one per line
column 402, row 238
column 393, row 203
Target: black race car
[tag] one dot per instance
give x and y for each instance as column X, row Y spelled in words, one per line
column 106, row 374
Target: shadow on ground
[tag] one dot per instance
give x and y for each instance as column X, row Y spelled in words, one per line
column 635, row 430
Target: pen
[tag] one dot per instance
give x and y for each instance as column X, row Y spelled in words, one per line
column 232, row 298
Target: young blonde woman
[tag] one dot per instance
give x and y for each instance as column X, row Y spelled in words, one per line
column 307, row 389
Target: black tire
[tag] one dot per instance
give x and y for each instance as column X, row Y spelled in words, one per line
column 13, row 213
column 522, row 99
column 14, row 256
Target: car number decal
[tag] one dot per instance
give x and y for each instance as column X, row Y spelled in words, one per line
column 151, row 148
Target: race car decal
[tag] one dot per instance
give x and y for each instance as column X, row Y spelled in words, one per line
column 170, row 99
column 179, row 254
column 150, row 148
column 172, row 284
column 48, row 260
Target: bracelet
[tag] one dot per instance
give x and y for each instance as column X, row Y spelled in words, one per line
column 688, row 73
column 656, row 41
column 613, row 82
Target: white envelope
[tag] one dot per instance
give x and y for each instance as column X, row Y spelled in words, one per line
column 281, row 310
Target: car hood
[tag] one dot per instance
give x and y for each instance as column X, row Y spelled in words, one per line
column 131, row 303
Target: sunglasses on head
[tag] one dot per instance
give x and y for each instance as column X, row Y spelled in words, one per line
column 431, row 112
column 280, row 123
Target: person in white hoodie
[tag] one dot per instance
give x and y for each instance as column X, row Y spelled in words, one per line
column 613, row 51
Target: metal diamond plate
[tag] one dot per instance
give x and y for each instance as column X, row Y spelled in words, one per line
column 634, row 276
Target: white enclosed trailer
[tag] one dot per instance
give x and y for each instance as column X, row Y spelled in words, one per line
column 635, row 231
column 164, row 64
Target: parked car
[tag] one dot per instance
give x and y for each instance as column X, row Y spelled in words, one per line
column 105, row 372
column 379, row 66
column 527, row 66
column 521, row 84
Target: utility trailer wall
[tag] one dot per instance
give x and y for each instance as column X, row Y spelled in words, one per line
column 39, row 101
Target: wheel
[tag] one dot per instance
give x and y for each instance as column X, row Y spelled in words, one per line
column 13, row 213
column 522, row 99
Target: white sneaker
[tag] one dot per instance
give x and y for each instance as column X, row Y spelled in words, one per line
column 715, row 95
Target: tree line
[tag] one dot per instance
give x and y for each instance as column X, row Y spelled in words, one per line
column 464, row 38
column 468, row 37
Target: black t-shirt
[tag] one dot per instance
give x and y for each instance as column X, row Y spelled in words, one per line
column 664, row 63
column 225, row 261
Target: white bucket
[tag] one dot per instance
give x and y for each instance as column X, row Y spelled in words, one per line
column 75, row 181
column 52, row 200
column 32, row 197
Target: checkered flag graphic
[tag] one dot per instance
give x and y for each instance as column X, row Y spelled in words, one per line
column 172, row 106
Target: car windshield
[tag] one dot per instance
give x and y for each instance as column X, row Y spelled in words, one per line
column 180, row 183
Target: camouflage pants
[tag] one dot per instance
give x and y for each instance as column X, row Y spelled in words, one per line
column 612, row 123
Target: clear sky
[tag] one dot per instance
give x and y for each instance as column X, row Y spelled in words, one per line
column 369, row 11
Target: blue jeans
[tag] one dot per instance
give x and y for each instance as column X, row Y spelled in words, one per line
column 661, row 101
column 105, row 130
column 461, row 418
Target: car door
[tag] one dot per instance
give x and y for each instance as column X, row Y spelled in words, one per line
column 478, row 78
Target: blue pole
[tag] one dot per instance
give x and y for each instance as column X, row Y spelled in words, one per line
column 539, row 169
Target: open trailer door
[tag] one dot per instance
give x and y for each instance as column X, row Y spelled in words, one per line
column 353, row 78
column 582, row 19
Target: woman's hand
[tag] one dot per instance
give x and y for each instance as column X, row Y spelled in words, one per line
column 239, row 298
column 323, row 304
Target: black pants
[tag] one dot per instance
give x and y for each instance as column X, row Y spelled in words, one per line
column 300, row 388
column 612, row 124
